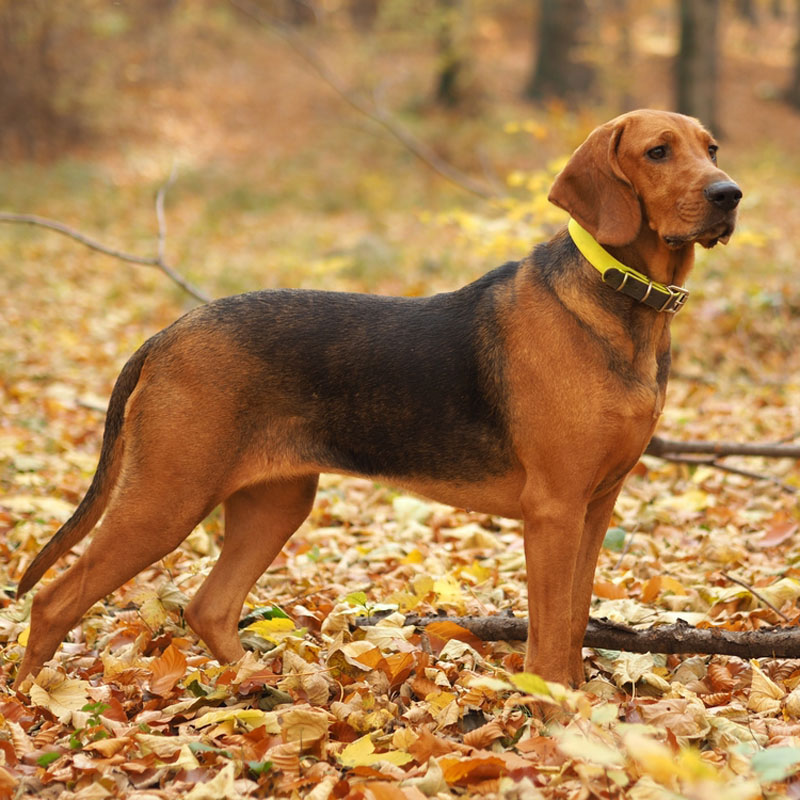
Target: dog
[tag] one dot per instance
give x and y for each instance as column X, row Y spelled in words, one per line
column 529, row 393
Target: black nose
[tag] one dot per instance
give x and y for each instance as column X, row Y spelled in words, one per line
column 724, row 194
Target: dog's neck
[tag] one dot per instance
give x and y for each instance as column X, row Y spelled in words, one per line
column 649, row 254
column 642, row 282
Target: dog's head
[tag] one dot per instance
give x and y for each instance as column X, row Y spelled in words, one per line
column 653, row 168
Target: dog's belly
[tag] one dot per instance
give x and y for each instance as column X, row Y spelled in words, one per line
column 499, row 495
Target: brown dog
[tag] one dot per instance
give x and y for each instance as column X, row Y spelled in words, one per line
column 529, row 393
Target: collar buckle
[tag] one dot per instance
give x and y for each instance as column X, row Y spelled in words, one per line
column 676, row 300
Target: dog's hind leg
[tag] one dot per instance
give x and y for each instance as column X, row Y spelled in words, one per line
column 145, row 521
column 259, row 520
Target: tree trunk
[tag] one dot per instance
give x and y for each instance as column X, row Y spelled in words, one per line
column 452, row 53
column 559, row 70
column 697, row 60
column 363, row 13
column 793, row 90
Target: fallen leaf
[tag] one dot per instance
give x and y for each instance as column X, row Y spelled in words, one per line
column 765, row 695
column 166, row 671
column 59, row 694
column 220, row 787
column 361, row 753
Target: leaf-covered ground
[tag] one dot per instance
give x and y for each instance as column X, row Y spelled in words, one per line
column 132, row 706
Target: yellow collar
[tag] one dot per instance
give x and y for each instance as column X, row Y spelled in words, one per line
column 625, row 279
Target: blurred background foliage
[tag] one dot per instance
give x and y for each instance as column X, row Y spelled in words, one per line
column 280, row 180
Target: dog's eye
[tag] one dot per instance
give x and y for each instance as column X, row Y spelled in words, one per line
column 712, row 151
column 657, row 153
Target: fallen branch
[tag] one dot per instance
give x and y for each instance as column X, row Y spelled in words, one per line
column 158, row 261
column 679, row 637
column 694, row 453
column 661, row 447
column 417, row 147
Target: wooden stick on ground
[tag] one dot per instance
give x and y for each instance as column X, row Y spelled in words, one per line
column 679, row 637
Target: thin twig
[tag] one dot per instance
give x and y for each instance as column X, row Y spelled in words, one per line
column 755, row 594
column 420, row 149
column 718, row 464
column 160, row 217
column 93, row 244
column 627, row 546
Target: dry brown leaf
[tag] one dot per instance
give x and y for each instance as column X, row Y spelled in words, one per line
column 166, row 671
column 305, row 725
column 22, row 742
column 108, row 747
column 445, row 631
column 483, row 737
column 765, row 695
column 685, row 718
column 720, row 677
column 464, row 771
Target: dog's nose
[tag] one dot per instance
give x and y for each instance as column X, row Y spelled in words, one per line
column 723, row 194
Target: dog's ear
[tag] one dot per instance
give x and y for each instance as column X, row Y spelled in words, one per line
column 595, row 191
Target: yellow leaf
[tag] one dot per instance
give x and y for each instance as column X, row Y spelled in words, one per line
column 59, row 694
column 669, row 584
column 531, row 684
column 448, row 590
column 477, row 571
column 653, row 757
column 271, row 629
column 22, row 639
column 439, row 700
column 361, row 753
column 414, row 557
column 249, row 718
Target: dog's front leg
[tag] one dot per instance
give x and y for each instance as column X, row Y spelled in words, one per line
column 553, row 529
column 598, row 516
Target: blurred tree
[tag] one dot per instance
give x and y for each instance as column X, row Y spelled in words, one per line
column 452, row 52
column 747, row 10
column 793, row 91
column 42, row 104
column 363, row 13
column 297, row 12
column 559, row 71
column 696, row 68
column 62, row 66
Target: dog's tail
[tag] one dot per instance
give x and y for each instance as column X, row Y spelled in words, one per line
column 94, row 502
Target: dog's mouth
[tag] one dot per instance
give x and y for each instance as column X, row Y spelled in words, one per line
column 718, row 233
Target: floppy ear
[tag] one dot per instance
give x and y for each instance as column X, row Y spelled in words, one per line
column 594, row 190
